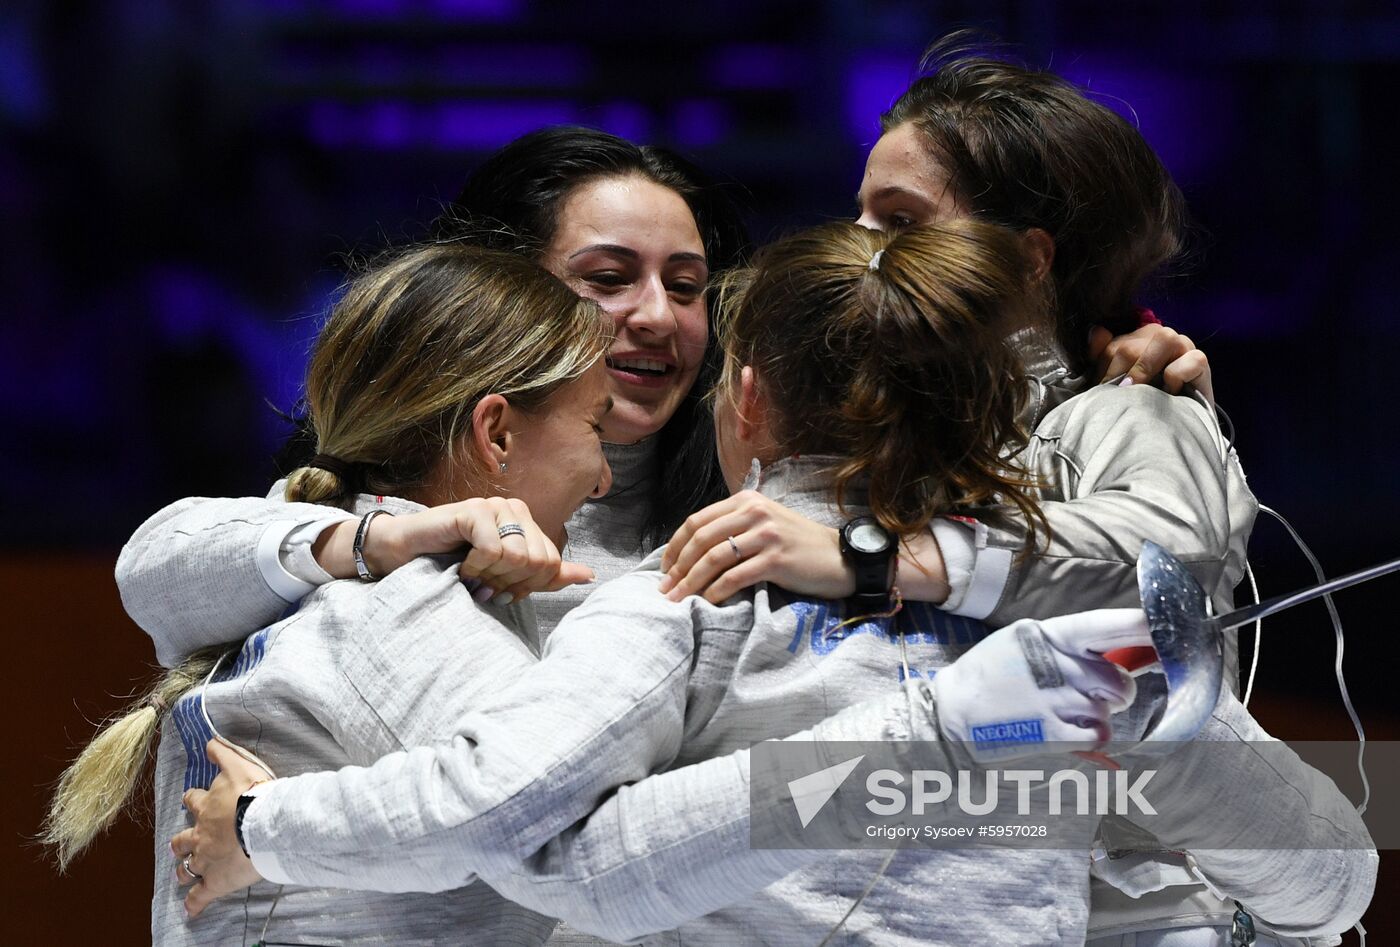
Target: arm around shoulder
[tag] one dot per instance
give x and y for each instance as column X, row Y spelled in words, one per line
column 204, row 571
column 1123, row 465
column 605, row 707
column 681, row 844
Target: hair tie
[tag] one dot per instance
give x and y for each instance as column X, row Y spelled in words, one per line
column 158, row 704
column 335, row 465
column 875, row 261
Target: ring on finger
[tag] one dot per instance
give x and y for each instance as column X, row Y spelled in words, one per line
column 510, row 529
column 185, row 864
column 738, row 556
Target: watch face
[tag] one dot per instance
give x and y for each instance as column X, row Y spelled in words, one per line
column 868, row 537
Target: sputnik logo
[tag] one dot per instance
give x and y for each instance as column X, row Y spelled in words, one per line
column 810, row 793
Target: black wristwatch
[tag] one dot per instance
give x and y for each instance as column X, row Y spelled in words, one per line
column 241, row 810
column 870, row 549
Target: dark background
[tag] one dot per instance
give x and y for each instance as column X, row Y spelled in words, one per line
column 179, row 182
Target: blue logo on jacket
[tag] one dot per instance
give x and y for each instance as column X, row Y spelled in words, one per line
column 820, row 623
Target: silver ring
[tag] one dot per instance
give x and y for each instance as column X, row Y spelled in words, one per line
column 738, row 556
column 510, row 529
column 185, row 864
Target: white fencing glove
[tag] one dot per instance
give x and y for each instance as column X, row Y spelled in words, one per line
column 1037, row 682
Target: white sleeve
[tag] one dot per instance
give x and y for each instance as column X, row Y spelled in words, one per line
column 653, row 854
column 1134, row 464
column 200, row 572
column 977, row 573
column 1315, row 870
column 678, row 845
column 286, row 561
column 605, row 707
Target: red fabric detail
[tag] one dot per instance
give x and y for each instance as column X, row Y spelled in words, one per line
column 1132, row 659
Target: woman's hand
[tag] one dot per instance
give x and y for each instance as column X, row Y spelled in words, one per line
column 1148, row 352
column 774, row 545
column 780, row 546
column 216, row 866
column 514, row 565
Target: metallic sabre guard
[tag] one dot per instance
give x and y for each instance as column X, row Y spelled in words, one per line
column 1188, row 643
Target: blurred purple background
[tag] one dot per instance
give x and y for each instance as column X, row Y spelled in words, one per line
column 179, row 181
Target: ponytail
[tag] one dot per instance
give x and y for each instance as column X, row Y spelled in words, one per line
column 315, row 485
column 936, row 400
column 409, row 350
column 96, row 786
column 889, row 351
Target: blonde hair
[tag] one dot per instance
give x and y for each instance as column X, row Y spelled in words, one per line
column 889, row 351
column 95, row 786
column 407, row 353
column 416, row 343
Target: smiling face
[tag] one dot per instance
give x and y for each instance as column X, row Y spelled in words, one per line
column 633, row 247
column 556, row 455
column 903, row 186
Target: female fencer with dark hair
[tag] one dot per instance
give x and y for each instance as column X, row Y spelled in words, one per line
column 636, row 229
column 839, row 345
column 1099, row 216
column 984, row 137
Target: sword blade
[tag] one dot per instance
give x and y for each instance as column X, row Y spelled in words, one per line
column 1243, row 616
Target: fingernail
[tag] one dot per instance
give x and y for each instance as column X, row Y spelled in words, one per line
column 505, row 598
column 1127, row 382
column 482, row 593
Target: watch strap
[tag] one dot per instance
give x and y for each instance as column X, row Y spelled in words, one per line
column 241, row 810
column 874, row 572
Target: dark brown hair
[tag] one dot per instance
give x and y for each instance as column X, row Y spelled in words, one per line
column 1025, row 148
column 896, row 363
column 512, row 202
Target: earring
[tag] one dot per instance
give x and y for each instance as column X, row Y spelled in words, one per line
column 503, row 466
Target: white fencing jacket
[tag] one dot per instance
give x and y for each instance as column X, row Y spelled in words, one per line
column 633, row 685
